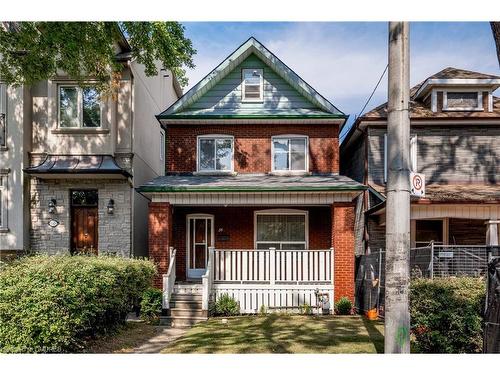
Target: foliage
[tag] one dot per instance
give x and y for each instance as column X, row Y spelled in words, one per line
column 151, row 304
column 263, row 310
column 226, row 306
column 305, row 309
column 34, row 51
column 56, row 303
column 446, row 315
column 343, row 306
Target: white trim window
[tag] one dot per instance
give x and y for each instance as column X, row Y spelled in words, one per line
column 413, row 155
column 252, row 85
column 3, row 114
column 215, row 153
column 3, row 201
column 281, row 229
column 462, row 100
column 162, row 146
column 290, row 153
column 79, row 107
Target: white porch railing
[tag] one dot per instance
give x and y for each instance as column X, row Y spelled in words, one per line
column 280, row 279
column 169, row 280
column 207, row 280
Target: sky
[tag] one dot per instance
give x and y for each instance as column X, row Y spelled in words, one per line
column 344, row 60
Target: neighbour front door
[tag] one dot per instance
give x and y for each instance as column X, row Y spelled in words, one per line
column 199, row 238
column 84, row 222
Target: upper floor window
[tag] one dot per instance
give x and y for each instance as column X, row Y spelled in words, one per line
column 289, row 153
column 462, row 101
column 162, row 146
column 252, row 85
column 79, row 107
column 3, row 114
column 215, row 153
column 413, row 155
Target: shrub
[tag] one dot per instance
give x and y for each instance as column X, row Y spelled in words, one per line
column 263, row 310
column 446, row 315
column 226, row 306
column 343, row 306
column 151, row 304
column 56, row 303
column 305, row 309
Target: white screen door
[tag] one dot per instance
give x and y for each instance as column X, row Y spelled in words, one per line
column 199, row 238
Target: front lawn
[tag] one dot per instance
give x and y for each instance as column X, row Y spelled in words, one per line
column 282, row 334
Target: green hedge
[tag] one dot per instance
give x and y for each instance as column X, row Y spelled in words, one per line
column 56, row 303
column 446, row 315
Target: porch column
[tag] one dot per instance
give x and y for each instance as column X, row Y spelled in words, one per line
column 160, row 237
column 343, row 243
column 492, row 232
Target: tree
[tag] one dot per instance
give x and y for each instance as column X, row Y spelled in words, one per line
column 495, row 29
column 34, row 51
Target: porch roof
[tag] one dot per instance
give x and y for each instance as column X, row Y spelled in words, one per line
column 250, row 183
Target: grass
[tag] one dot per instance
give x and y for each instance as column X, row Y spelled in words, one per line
column 282, row 334
column 132, row 335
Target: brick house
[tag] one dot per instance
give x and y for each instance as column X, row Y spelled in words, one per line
column 455, row 143
column 252, row 203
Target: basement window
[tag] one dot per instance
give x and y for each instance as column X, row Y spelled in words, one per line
column 252, row 87
column 462, row 101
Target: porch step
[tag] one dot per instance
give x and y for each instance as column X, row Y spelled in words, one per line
column 193, row 304
column 177, row 312
column 188, row 288
column 181, row 321
column 186, row 297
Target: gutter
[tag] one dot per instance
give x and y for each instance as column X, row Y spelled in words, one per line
column 208, row 189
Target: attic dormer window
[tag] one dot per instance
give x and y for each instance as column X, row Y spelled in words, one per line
column 462, row 101
column 252, row 87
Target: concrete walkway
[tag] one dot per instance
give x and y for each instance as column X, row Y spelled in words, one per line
column 156, row 344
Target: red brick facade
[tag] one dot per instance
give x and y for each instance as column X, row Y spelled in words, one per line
column 252, row 145
column 160, row 237
column 343, row 242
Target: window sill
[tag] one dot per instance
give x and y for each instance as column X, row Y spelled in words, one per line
column 4, row 230
column 463, row 109
column 4, row 148
column 80, row 131
column 215, row 173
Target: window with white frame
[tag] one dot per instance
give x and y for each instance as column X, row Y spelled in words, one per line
column 3, row 201
column 215, row 153
column 290, row 153
column 413, row 155
column 252, row 86
column 3, row 114
column 462, row 100
column 162, row 146
column 79, row 107
column 281, row 229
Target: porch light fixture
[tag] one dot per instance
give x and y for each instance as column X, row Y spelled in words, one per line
column 111, row 207
column 52, row 206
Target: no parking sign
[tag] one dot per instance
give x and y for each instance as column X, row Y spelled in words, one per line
column 417, row 184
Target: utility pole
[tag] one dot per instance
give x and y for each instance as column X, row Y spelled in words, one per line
column 495, row 29
column 397, row 256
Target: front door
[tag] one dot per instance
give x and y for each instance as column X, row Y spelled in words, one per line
column 84, row 222
column 199, row 238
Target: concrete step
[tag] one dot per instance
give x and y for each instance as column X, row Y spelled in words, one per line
column 187, row 289
column 188, row 313
column 181, row 321
column 185, row 297
column 186, row 304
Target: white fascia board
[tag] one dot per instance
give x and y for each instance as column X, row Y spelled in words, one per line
column 457, row 81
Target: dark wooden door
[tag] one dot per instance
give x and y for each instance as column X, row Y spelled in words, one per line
column 84, row 230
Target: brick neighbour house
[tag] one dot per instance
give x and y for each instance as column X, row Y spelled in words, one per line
column 252, row 201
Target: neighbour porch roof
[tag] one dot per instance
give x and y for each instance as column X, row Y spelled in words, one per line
column 64, row 166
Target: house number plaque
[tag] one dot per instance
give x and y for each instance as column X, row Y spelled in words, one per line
column 53, row 223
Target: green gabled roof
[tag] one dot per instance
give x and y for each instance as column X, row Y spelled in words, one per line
column 317, row 106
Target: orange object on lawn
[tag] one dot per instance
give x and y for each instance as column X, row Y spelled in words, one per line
column 372, row 314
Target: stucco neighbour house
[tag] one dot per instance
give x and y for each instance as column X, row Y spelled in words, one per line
column 455, row 143
column 70, row 160
column 252, row 203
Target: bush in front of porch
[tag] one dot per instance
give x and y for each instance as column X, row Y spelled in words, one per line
column 56, row 303
column 446, row 314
